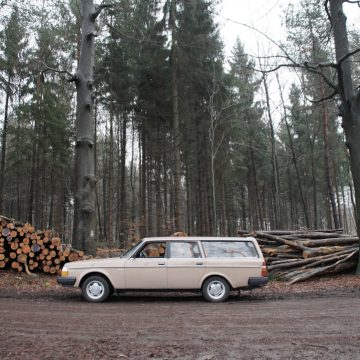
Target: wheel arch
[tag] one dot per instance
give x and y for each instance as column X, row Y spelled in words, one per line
column 208, row 276
column 96, row 273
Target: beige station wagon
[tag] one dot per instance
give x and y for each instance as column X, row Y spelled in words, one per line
column 214, row 265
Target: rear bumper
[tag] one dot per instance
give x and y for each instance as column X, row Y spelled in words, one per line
column 66, row 280
column 256, row 282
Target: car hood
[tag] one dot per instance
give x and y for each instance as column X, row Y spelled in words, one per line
column 91, row 263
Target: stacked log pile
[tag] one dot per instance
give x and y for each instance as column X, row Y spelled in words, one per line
column 299, row 255
column 24, row 248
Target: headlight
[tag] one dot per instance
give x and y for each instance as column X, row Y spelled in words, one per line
column 64, row 271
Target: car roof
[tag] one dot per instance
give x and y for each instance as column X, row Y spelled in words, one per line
column 197, row 238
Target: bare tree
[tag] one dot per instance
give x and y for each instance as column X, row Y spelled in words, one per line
column 214, row 122
column 85, row 179
column 350, row 98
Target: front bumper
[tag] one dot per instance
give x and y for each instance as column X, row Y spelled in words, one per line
column 256, row 282
column 66, row 280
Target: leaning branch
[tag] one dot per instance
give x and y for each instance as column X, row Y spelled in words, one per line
column 342, row 59
column 71, row 78
column 328, row 97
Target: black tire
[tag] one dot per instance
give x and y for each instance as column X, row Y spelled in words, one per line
column 215, row 289
column 95, row 289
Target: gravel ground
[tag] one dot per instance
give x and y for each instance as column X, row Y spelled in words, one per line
column 317, row 319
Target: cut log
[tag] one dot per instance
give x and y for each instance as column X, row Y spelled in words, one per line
column 295, row 263
column 22, row 258
column 14, row 264
column 311, row 235
column 332, row 241
column 56, row 241
column 5, row 232
column 35, row 248
column 308, row 273
column 312, row 252
column 26, row 249
column 293, row 244
column 14, row 245
column 67, row 250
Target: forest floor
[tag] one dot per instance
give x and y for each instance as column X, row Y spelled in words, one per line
column 316, row 319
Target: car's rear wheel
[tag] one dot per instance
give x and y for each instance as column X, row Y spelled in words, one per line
column 95, row 289
column 215, row 289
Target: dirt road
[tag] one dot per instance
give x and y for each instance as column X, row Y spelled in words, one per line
column 62, row 326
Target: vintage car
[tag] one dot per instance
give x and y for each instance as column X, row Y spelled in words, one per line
column 214, row 265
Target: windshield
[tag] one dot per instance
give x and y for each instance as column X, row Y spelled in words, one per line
column 131, row 251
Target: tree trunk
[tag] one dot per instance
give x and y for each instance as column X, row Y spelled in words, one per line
column 3, row 143
column 179, row 225
column 346, row 226
column 325, row 118
column 123, row 213
column 142, row 184
column 85, row 180
column 132, row 174
column 350, row 101
column 99, row 233
column 110, row 177
column 275, row 175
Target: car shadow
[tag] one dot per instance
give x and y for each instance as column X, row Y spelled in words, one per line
column 70, row 295
column 174, row 297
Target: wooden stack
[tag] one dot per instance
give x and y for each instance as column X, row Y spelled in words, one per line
column 25, row 249
column 299, row 255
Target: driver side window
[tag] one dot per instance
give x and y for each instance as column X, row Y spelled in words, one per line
column 153, row 250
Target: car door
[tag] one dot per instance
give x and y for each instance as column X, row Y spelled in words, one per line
column 185, row 267
column 147, row 268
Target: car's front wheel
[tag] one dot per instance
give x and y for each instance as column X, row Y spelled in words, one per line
column 95, row 289
column 215, row 289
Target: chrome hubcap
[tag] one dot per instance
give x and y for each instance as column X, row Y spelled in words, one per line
column 95, row 289
column 216, row 289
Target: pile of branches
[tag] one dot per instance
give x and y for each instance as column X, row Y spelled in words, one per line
column 23, row 248
column 299, row 255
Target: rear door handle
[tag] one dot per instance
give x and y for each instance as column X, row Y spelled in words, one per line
column 199, row 263
column 161, row 263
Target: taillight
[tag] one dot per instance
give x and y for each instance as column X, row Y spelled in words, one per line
column 264, row 271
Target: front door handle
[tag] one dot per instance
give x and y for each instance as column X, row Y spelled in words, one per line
column 162, row 263
column 199, row 263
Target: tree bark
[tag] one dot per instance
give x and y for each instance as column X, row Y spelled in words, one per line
column 123, row 212
column 350, row 101
column 275, row 174
column 142, row 185
column 179, row 223
column 3, row 143
column 85, row 179
column 330, row 187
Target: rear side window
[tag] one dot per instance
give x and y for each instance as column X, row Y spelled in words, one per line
column 229, row 249
column 184, row 249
